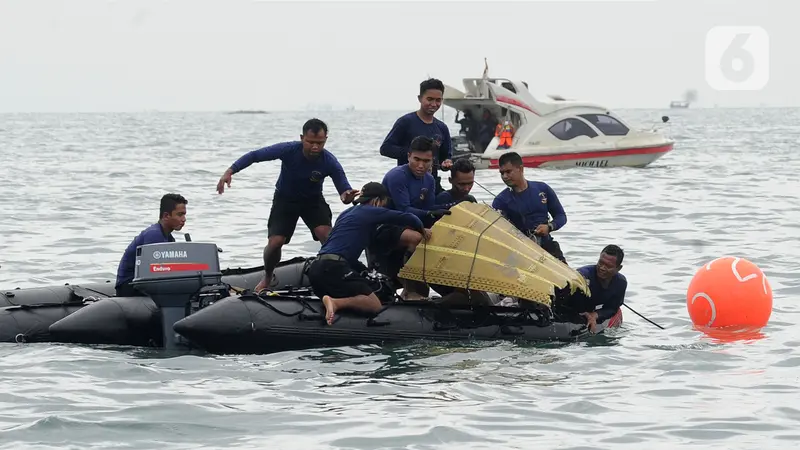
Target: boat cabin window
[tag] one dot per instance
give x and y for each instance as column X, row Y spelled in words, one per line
column 606, row 124
column 571, row 128
column 509, row 86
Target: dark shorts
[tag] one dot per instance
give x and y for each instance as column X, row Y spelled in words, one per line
column 386, row 238
column 551, row 246
column 285, row 212
column 337, row 279
column 384, row 252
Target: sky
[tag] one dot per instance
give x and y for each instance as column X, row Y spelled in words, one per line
column 201, row 55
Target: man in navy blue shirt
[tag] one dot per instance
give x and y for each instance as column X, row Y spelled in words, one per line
column 607, row 286
column 335, row 273
column 411, row 189
column 462, row 178
column 298, row 192
column 422, row 123
column 172, row 217
column 529, row 204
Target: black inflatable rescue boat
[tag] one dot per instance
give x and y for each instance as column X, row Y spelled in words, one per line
column 137, row 320
column 26, row 315
column 191, row 305
column 261, row 324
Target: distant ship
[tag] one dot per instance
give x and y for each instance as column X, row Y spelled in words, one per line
column 248, row 111
column 688, row 97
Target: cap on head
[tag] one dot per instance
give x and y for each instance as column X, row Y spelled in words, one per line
column 370, row 191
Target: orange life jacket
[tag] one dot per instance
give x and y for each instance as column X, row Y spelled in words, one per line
column 505, row 133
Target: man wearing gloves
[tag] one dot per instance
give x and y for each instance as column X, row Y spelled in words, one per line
column 411, row 189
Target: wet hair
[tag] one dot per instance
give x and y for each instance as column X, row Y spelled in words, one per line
column 315, row 126
column 512, row 158
column 462, row 165
column 169, row 202
column 431, row 83
column 613, row 250
column 423, row 144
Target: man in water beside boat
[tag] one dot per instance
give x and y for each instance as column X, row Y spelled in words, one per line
column 528, row 205
column 607, row 286
column 422, row 123
column 171, row 217
column 335, row 273
column 298, row 192
column 411, row 189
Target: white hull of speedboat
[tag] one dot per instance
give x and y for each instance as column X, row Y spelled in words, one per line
column 558, row 134
column 591, row 156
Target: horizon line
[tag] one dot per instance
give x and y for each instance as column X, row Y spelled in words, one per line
column 257, row 111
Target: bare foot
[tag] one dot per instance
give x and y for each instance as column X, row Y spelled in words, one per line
column 261, row 286
column 330, row 308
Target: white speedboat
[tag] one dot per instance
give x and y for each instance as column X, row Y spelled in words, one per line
column 561, row 133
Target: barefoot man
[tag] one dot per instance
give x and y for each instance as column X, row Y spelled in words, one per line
column 298, row 192
column 335, row 273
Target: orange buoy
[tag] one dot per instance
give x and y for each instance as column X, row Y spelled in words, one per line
column 729, row 292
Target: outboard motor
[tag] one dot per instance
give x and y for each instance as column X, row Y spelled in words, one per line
column 173, row 274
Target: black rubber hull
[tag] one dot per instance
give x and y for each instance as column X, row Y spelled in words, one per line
column 137, row 320
column 27, row 315
column 247, row 324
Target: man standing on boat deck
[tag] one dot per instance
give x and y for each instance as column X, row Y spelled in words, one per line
column 607, row 286
column 422, row 123
column 334, row 274
column 528, row 205
column 298, row 192
column 172, row 217
column 411, row 189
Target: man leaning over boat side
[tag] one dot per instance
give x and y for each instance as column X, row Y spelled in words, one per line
column 171, row 217
column 334, row 274
column 607, row 286
column 298, row 192
column 529, row 204
column 422, row 123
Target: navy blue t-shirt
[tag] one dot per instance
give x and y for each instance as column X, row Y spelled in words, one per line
column 300, row 178
column 408, row 193
column 604, row 301
column 353, row 228
column 409, row 126
column 446, row 197
column 530, row 208
column 153, row 234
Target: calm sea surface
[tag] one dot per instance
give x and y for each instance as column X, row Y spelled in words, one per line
column 79, row 187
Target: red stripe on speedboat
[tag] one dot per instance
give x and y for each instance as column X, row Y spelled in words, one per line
column 515, row 102
column 536, row 161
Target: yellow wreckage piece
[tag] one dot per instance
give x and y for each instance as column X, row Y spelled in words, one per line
column 477, row 248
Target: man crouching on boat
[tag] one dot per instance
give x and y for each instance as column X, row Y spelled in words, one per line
column 334, row 274
column 607, row 286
